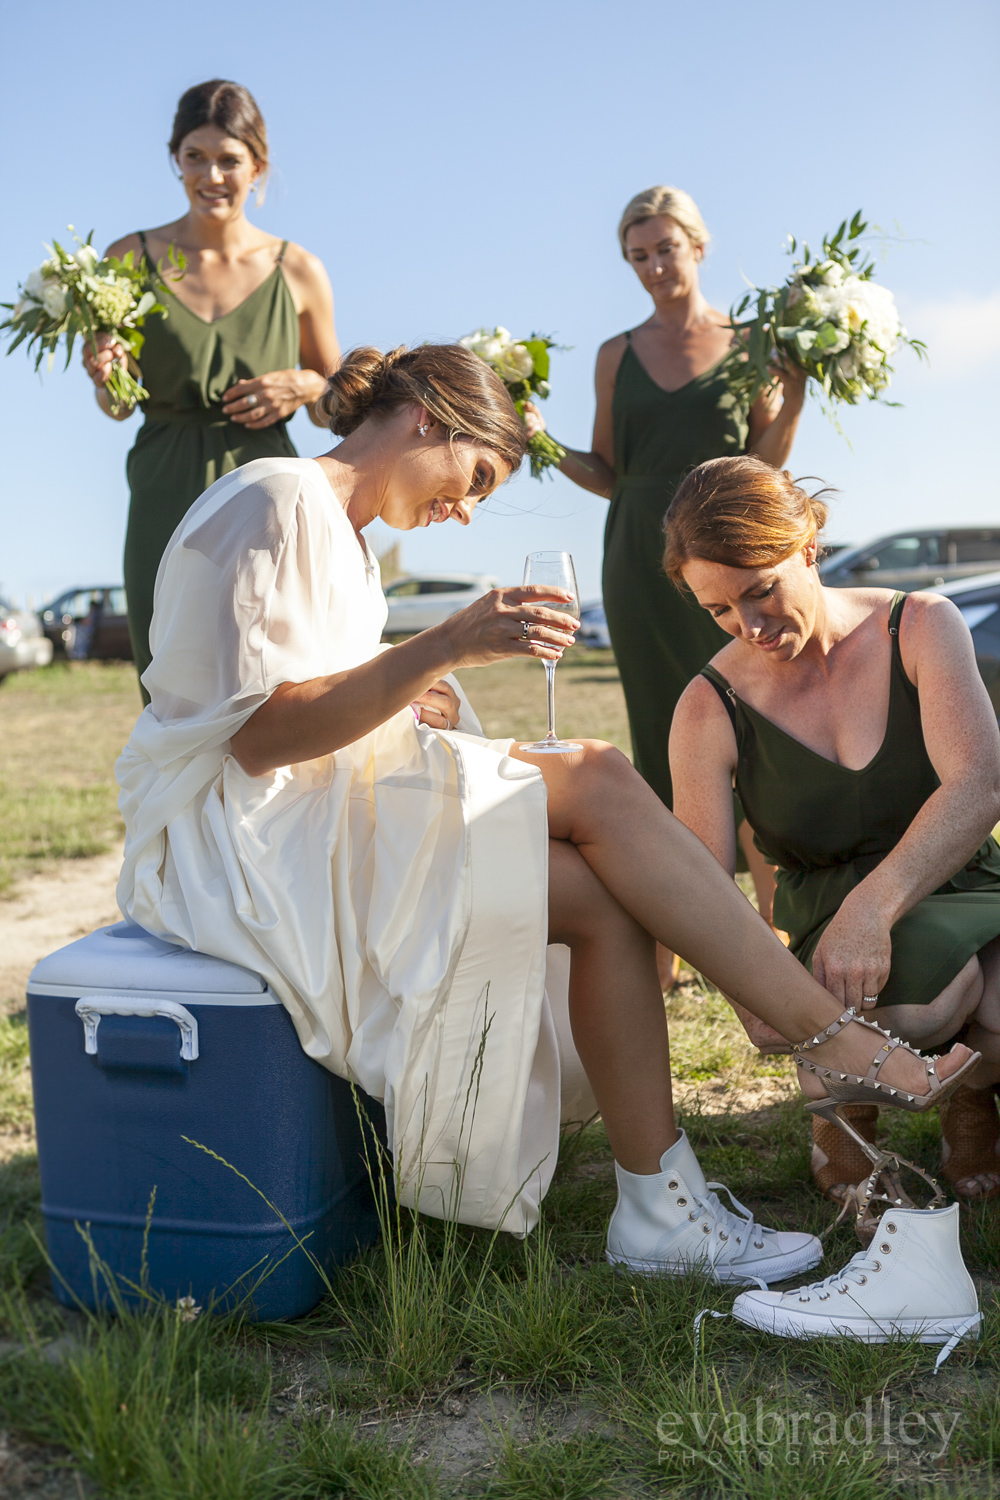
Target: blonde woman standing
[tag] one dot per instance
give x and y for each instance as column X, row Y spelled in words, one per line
column 248, row 337
column 664, row 406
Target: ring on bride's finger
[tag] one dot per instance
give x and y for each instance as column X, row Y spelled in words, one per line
column 525, row 630
column 251, row 400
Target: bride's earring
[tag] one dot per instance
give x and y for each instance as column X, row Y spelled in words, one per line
column 423, row 428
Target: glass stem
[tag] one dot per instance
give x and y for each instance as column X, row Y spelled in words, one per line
column 550, row 684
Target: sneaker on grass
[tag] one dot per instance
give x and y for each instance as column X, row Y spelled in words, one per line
column 672, row 1222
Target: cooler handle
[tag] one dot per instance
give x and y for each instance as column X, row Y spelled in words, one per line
column 91, row 1009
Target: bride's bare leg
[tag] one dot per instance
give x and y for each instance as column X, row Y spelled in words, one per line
column 616, row 1010
column 668, row 881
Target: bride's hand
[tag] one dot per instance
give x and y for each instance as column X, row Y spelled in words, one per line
column 533, row 419
column 439, row 706
column 509, row 622
column 853, row 956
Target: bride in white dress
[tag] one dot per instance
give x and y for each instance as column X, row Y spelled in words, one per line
column 323, row 810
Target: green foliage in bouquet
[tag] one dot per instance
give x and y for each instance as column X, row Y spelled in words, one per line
column 829, row 318
column 74, row 293
column 523, row 366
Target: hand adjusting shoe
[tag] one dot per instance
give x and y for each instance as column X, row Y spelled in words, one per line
column 671, row 1222
column 911, row 1282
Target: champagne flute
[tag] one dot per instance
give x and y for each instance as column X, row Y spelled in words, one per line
column 556, row 570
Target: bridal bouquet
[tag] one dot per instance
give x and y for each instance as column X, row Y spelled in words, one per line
column 75, row 293
column 830, row 318
column 523, row 366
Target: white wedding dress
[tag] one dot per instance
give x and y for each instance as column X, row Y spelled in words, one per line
column 394, row 894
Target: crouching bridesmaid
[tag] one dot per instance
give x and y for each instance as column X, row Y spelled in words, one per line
column 862, row 744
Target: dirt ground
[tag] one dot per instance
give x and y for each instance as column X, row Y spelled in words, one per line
column 65, row 901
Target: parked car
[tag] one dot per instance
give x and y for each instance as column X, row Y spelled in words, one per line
column 593, row 631
column 421, row 600
column 22, row 642
column 979, row 601
column 89, row 623
column 916, row 559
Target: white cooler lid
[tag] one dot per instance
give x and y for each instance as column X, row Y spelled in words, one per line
column 126, row 957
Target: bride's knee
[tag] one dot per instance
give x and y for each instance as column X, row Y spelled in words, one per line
column 604, row 764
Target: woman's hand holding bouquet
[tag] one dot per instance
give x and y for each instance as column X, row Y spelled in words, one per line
column 829, row 321
column 104, row 301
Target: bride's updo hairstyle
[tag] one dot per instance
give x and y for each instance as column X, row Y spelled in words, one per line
column 457, row 387
column 740, row 512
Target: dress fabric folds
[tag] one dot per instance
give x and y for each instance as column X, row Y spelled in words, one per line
column 393, row 894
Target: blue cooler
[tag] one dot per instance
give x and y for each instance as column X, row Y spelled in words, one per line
column 137, row 1043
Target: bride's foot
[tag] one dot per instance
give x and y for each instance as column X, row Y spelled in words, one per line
column 672, row 1222
column 859, row 1049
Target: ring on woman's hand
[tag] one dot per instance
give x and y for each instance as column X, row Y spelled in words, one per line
column 525, row 630
column 251, row 400
column 868, row 999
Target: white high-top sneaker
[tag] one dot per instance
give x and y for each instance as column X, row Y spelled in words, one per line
column 911, row 1281
column 671, row 1222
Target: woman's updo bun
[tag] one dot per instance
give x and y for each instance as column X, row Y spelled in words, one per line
column 457, row 387
column 740, row 512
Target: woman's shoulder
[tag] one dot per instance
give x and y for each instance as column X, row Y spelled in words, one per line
column 305, row 272
column 158, row 241
column 120, row 248
column 259, row 505
column 609, row 357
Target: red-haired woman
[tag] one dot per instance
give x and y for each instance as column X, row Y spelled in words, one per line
column 248, row 338
column 866, row 754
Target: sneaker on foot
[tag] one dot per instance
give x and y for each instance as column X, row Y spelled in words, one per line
column 672, row 1222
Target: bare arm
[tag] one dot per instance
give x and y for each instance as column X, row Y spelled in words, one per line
column 302, row 721
column 702, row 765
column 963, row 743
column 774, row 419
column 594, row 471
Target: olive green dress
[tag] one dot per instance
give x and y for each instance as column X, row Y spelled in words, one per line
column 185, row 443
column 661, row 637
column 827, row 827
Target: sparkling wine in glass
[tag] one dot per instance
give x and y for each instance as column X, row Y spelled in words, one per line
column 556, row 570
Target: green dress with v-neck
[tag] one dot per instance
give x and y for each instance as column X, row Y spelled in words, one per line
column 826, row 827
column 185, row 443
column 661, row 637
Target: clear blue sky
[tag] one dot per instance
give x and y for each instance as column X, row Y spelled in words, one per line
column 458, row 164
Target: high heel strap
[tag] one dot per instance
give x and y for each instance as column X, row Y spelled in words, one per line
column 843, row 1020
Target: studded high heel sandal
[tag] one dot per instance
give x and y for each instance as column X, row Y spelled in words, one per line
column 883, row 1184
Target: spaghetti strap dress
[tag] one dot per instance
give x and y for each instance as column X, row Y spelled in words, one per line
column 826, row 827
column 185, row 443
column 660, row 636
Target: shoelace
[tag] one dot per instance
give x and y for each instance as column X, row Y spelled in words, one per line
column 733, row 1235
column 858, row 1267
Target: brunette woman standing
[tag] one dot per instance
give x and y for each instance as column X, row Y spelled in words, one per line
column 248, row 337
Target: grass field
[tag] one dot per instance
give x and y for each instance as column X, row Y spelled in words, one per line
column 450, row 1363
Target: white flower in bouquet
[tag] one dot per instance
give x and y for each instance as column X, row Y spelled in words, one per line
column 35, row 285
column 77, row 293
column 86, row 259
column 523, row 366
column 830, row 318
column 514, row 363
column 53, row 299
